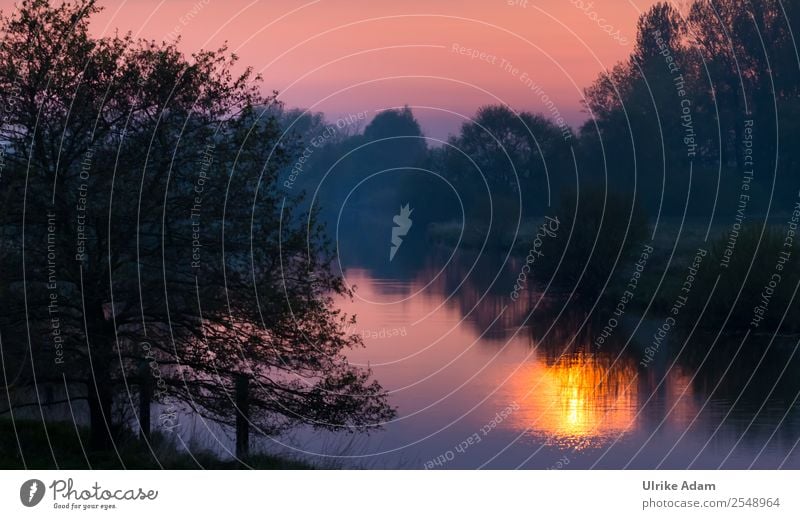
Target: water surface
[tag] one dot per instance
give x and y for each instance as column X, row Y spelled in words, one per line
column 482, row 381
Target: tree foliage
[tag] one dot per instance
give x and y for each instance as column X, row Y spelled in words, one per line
column 146, row 240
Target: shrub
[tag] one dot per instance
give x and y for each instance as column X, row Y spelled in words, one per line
column 596, row 232
column 756, row 296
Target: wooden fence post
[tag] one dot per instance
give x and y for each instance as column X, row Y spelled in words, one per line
column 145, row 399
column 242, row 416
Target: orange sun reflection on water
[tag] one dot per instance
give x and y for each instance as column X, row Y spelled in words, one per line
column 580, row 400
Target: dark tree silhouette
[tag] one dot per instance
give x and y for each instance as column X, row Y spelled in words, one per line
column 686, row 96
column 515, row 151
column 146, row 242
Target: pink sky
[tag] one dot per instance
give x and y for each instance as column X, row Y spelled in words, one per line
column 349, row 56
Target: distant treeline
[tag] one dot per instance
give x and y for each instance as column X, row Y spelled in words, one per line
column 704, row 110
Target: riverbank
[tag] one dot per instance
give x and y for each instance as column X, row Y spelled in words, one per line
column 61, row 446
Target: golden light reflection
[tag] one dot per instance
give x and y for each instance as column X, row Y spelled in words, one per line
column 580, row 400
column 680, row 398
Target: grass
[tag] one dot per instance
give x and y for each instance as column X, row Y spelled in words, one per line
column 448, row 233
column 60, row 448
